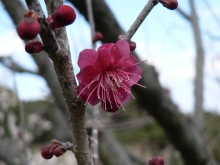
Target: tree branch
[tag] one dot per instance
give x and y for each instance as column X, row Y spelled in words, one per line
column 8, row 63
column 60, row 55
column 183, row 14
column 149, row 6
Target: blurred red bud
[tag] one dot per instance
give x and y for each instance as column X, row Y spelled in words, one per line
column 34, row 47
column 156, row 161
column 59, row 151
column 132, row 45
column 98, row 36
column 47, row 151
column 170, row 4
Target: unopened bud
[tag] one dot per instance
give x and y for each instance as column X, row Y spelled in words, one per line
column 98, row 36
column 63, row 16
column 59, row 151
column 132, row 45
column 156, row 161
column 47, row 152
column 170, row 4
column 34, row 47
column 29, row 27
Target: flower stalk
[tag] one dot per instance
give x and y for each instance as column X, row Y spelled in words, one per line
column 146, row 10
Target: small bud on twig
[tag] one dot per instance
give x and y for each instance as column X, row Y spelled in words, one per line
column 63, row 16
column 34, row 47
column 132, row 45
column 47, row 151
column 29, row 27
column 59, row 151
column 170, row 4
column 98, row 36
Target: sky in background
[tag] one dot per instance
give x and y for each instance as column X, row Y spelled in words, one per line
column 164, row 39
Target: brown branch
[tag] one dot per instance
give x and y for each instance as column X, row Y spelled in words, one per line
column 61, row 58
column 111, row 151
column 95, row 132
column 91, row 20
column 149, row 6
column 183, row 14
column 21, row 116
column 130, row 124
column 198, row 82
column 7, row 62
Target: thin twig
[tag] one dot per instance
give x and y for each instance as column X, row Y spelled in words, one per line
column 184, row 14
column 91, row 20
column 149, row 6
column 95, row 133
column 21, row 113
column 94, row 146
column 7, row 62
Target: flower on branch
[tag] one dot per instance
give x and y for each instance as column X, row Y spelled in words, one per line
column 107, row 75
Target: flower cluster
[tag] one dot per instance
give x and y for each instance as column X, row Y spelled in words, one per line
column 107, row 75
column 29, row 26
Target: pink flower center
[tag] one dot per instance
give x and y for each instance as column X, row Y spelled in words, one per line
column 109, row 84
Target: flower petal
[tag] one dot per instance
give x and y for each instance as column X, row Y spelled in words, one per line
column 108, row 46
column 103, row 59
column 120, row 51
column 87, row 57
column 135, row 75
column 88, row 94
column 86, row 75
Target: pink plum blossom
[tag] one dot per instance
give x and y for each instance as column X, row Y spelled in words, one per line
column 107, row 74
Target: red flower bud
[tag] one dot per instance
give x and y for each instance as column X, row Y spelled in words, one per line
column 63, row 16
column 132, row 45
column 170, row 4
column 98, row 36
column 47, row 152
column 156, row 161
column 29, row 27
column 59, row 151
column 34, row 47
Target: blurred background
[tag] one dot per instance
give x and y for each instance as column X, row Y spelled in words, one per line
column 169, row 40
